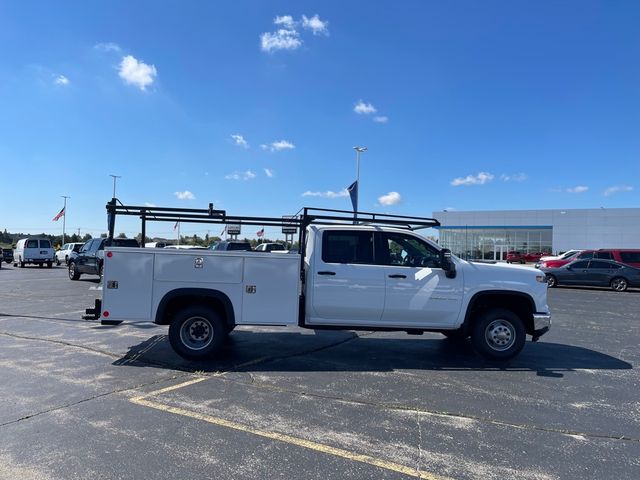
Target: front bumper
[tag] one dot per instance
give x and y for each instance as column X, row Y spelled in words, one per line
column 541, row 324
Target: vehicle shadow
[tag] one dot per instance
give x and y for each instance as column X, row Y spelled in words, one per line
column 596, row 289
column 248, row 351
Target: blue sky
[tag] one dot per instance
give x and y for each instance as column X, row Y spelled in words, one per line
column 251, row 104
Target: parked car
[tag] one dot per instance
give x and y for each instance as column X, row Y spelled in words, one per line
column 534, row 256
column 7, row 255
column 568, row 255
column 270, row 247
column 232, row 245
column 90, row 258
column 626, row 256
column 515, row 257
column 37, row 251
column 594, row 272
column 63, row 254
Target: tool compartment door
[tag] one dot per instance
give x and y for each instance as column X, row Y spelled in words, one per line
column 270, row 289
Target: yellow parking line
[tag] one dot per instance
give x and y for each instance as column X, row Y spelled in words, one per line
column 282, row 437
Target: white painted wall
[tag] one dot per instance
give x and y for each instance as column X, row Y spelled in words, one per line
column 572, row 228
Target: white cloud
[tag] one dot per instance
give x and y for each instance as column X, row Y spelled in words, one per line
column 278, row 146
column 381, row 119
column 578, row 189
column 391, row 198
column 617, row 188
column 282, row 39
column 285, row 20
column 327, row 194
column 107, row 47
column 518, row 177
column 268, row 172
column 316, row 25
column 186, row 195
column 247, row 175
column 479, row 179
column 239, row 140
column 147, row 204
column 61, row 80
column 362, row 108
column 137, row 73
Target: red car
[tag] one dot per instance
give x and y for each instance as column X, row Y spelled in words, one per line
column 515, row 257
column 519, row 257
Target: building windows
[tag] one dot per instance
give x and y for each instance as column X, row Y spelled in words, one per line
column 494, row 243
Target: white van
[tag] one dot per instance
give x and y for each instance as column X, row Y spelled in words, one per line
column 37, row 251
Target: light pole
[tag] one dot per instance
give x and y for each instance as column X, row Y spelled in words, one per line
column 64, row 217
column 358, row 150
column 114, row 183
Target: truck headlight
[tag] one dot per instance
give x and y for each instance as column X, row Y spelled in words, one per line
column 541, row 278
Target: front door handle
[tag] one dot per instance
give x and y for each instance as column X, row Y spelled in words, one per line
column 326, row 273
column 397, row 275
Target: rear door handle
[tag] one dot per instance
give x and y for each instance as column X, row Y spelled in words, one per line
column 397, row 275
column 326, row 273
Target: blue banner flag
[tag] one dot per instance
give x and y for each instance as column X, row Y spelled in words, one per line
column 353, row 193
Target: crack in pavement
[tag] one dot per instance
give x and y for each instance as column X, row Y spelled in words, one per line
column 425, row 411
column 134, row 358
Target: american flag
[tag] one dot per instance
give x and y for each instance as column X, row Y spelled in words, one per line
column 60, row 214
column 223, row 230
column 260, row 232
column 176, row 225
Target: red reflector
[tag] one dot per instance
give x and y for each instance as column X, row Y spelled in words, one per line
column 105, row 314
column 109, row 254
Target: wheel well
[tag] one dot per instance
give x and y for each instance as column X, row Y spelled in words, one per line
column 174, row 301
column 519, row 303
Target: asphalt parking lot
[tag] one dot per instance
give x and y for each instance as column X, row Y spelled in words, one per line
column 81, row 400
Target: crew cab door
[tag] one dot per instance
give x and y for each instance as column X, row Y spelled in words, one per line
column 417, row 290
column 347, row 286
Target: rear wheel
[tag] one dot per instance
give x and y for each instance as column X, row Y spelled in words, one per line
column 73, row 271
column 49, row 264
column 197, row 332
column 498, row 334
column 619, row 284
column 552, row 281
column 57, row 262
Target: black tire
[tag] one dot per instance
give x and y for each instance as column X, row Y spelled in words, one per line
column 100, row 267
column 619, row 284
column 57, row 262
column 21, row 264
column 197, row 332
column 40, row 265
column 552, row 281
column 498, row 334
column 73, row 271
column 49, row 264
column 66, row 259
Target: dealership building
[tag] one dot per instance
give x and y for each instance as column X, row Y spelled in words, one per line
column 491, row 234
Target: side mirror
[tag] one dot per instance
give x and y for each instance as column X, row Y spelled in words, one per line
column 569, row 267
column 447, row 263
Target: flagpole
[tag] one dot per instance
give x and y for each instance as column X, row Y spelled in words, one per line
column 178, row 232
column 64, row 217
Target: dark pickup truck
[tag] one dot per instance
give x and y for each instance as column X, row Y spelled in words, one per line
column 90, row 257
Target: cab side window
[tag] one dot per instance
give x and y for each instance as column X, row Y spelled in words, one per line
column 403, row 250
column 347, row 247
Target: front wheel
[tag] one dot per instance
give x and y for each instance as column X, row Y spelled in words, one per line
column 197, row 333
column 57, row 262
column 552, row 281
column 619, row 284
column 73, row 271
column 498, row 334
column 49, row 264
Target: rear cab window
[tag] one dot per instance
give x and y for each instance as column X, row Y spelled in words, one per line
column 45, row 244
column 630, row 257
column 354, row 247
column 31, row 244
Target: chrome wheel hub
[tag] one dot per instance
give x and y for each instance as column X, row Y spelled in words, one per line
column 196, row 333
column 500, row 335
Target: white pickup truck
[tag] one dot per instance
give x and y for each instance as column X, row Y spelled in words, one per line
column 369, row 276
